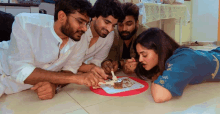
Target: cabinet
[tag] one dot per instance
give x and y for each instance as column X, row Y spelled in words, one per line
column 14, row 10
column 2, row 8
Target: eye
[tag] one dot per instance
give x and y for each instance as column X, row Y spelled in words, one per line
column 80, row 22
column 129, row 24
column 106, row 22
column 144, row 55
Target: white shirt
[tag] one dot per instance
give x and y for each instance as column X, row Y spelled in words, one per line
column 34, row 44
column 98, row 51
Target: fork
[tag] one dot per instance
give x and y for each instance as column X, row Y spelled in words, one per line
column 113, row 76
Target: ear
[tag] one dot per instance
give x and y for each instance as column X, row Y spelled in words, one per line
column 62, row 17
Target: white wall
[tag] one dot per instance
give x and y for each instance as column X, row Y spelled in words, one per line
column 205, row 20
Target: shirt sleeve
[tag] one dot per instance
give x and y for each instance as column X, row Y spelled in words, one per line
column 142, row 28
column 103, row 53
column 77, row 58
column 20, row 55
column 178, row 73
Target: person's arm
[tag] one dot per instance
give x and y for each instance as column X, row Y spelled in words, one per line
column 68, row 73
column 20, row 56
column 159, row 93
column 86, row 67
column 40, row 75
column 178, row 73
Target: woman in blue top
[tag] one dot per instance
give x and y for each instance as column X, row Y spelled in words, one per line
column 170, row 66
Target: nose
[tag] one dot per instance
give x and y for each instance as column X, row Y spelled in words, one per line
column 140, row 58
column 84, row 28
column 110, row 28
column 125, row 28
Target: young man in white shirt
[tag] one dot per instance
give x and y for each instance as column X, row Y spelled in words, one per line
column 46, row 51
column 100, row 34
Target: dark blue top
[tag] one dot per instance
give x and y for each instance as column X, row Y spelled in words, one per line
column 188, row 66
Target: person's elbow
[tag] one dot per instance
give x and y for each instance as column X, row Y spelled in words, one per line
column 161, row 98
column 160, row 94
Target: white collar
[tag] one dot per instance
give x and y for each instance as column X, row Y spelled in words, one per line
column 60, row 41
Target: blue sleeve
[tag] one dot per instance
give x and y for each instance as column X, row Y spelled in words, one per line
column 178, row 73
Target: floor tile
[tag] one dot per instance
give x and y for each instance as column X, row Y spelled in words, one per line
column 79, row 111
column 208, row 87
column 84, row 96
column 138, row 104
column 144, row 103
column 31, row 104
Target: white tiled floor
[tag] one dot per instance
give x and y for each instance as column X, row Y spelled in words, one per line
column 76, row 99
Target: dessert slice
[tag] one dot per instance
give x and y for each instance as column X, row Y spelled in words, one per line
column 118, row 84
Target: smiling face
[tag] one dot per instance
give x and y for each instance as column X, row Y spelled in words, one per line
column 103, row 26
column 127, row 28
column 75, row 26
column 147, row 57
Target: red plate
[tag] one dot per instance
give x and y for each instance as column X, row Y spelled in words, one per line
column 100, row 91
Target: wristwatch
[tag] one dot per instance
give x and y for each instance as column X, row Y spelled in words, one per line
column 58, row 89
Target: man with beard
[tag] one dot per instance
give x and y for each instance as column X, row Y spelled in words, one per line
column 122, row 53
column 46, row 51
column 100, row 34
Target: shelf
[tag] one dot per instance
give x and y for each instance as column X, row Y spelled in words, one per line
column 21, row 5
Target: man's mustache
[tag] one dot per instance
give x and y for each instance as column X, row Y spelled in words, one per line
column 81, row 32
column 125, row 32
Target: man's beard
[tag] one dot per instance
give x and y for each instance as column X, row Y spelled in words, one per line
column 129, row 36
column 68, row 31
column 99, row 31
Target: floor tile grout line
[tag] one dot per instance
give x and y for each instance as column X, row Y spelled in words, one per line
column 77, row 102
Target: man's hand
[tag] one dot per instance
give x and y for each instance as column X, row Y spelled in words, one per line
column 99, row 72
column 44, row 90
column 89, row 79
column 108, row 65
column 129, row 66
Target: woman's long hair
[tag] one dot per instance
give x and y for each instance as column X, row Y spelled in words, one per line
column 162, row 44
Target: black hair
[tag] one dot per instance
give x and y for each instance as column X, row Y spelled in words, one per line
column 162, row 44
column 106, row 8
column 71, row 6
column 130, row 9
